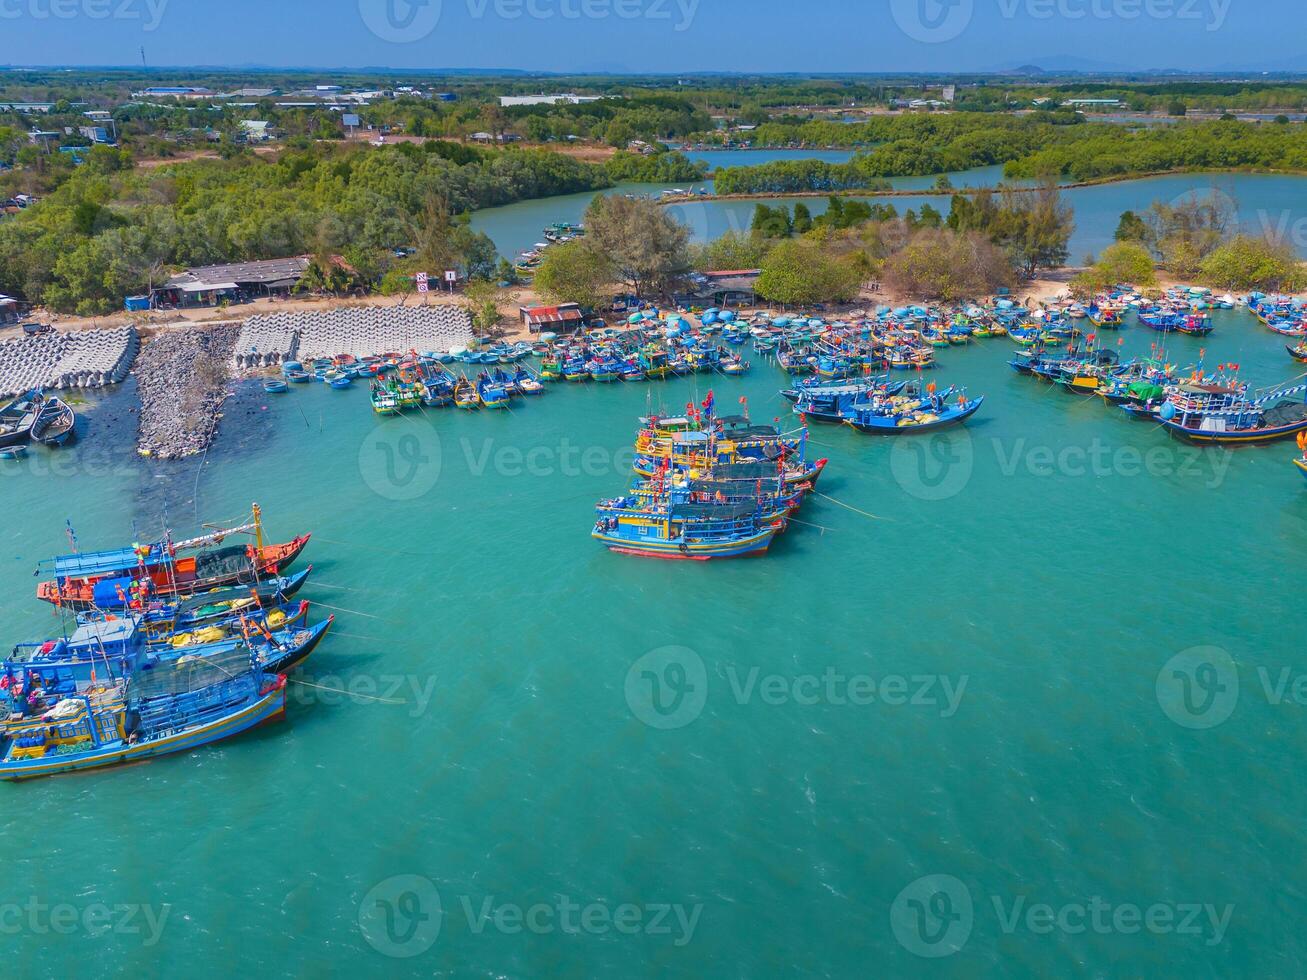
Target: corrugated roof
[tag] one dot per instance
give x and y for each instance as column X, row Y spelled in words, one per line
column 267, row 271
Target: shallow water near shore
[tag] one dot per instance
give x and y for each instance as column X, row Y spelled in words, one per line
column 952, row 667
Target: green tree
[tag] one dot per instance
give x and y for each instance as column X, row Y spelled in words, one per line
column 801, row 272
column 1131, row 228
column 940, row 264
column 1245, row 262
column 483, row 301
column 648, row 249
column 575, row 272
column 733, row 250
column 1035, row 227
column 802, row 219
column 1123, row 262
column 772, row 222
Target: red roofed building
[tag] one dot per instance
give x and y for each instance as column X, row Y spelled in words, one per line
column 563, row 318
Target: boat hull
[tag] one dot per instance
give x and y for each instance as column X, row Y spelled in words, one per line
column 756, row 544
column 269, row 708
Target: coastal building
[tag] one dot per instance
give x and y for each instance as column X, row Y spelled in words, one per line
column 29, row 107
column 96, row 134
column 563, row 318
column 568, row 99
column 8, row 309
column 256, row 130
column 727, row 287
column 209, row 285
column 175, row 92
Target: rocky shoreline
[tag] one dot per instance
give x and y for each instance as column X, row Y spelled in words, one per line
column 182, row 382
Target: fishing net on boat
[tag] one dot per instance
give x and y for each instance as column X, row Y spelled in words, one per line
column 191, row 672
column 1285, row 413
column 223, row 562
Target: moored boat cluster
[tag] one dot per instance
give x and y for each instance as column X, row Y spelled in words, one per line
column 171, row 645
column 708, row 486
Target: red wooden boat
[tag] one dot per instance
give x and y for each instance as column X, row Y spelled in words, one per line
column 166, row 569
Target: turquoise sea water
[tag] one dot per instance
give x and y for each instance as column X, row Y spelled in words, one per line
column 1264, row 204
column 960, row 665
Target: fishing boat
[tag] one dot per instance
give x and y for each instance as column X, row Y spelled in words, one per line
column 140, row 714
column 275, row 386
column 827, row 401
column 1216, row 415
column 1298, row 353
column 1301, row 461
column 18, row 417
column 913, row 412
column 551, row 369
column 384, row 401
column 685, row 531
column 465, row 394
column 166, row 568
column 1194, row 324
column 338, row 379
column 13, row 453
column 493, row 394
column 55, row 423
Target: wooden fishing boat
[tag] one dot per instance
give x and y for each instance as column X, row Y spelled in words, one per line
column 1301, row 461
column 1298, row 353
column 902, row 414
column 55, row 423
column 165, row 569
column 18, row 417
column 493, row 394
column 684, row 531
column 142, row 716
column 383, row 399
column 465, row 394
column 1230, row 418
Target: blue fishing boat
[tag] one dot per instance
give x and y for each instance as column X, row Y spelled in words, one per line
column 684, row 531
column 274, row 386
column 1194, row 324
column 828, row 401
column 139, row 712
column 493, row 394
column 1211, row 415
column 18, row 417
column 913, row 412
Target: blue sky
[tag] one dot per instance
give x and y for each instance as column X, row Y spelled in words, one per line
column 661, row 35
